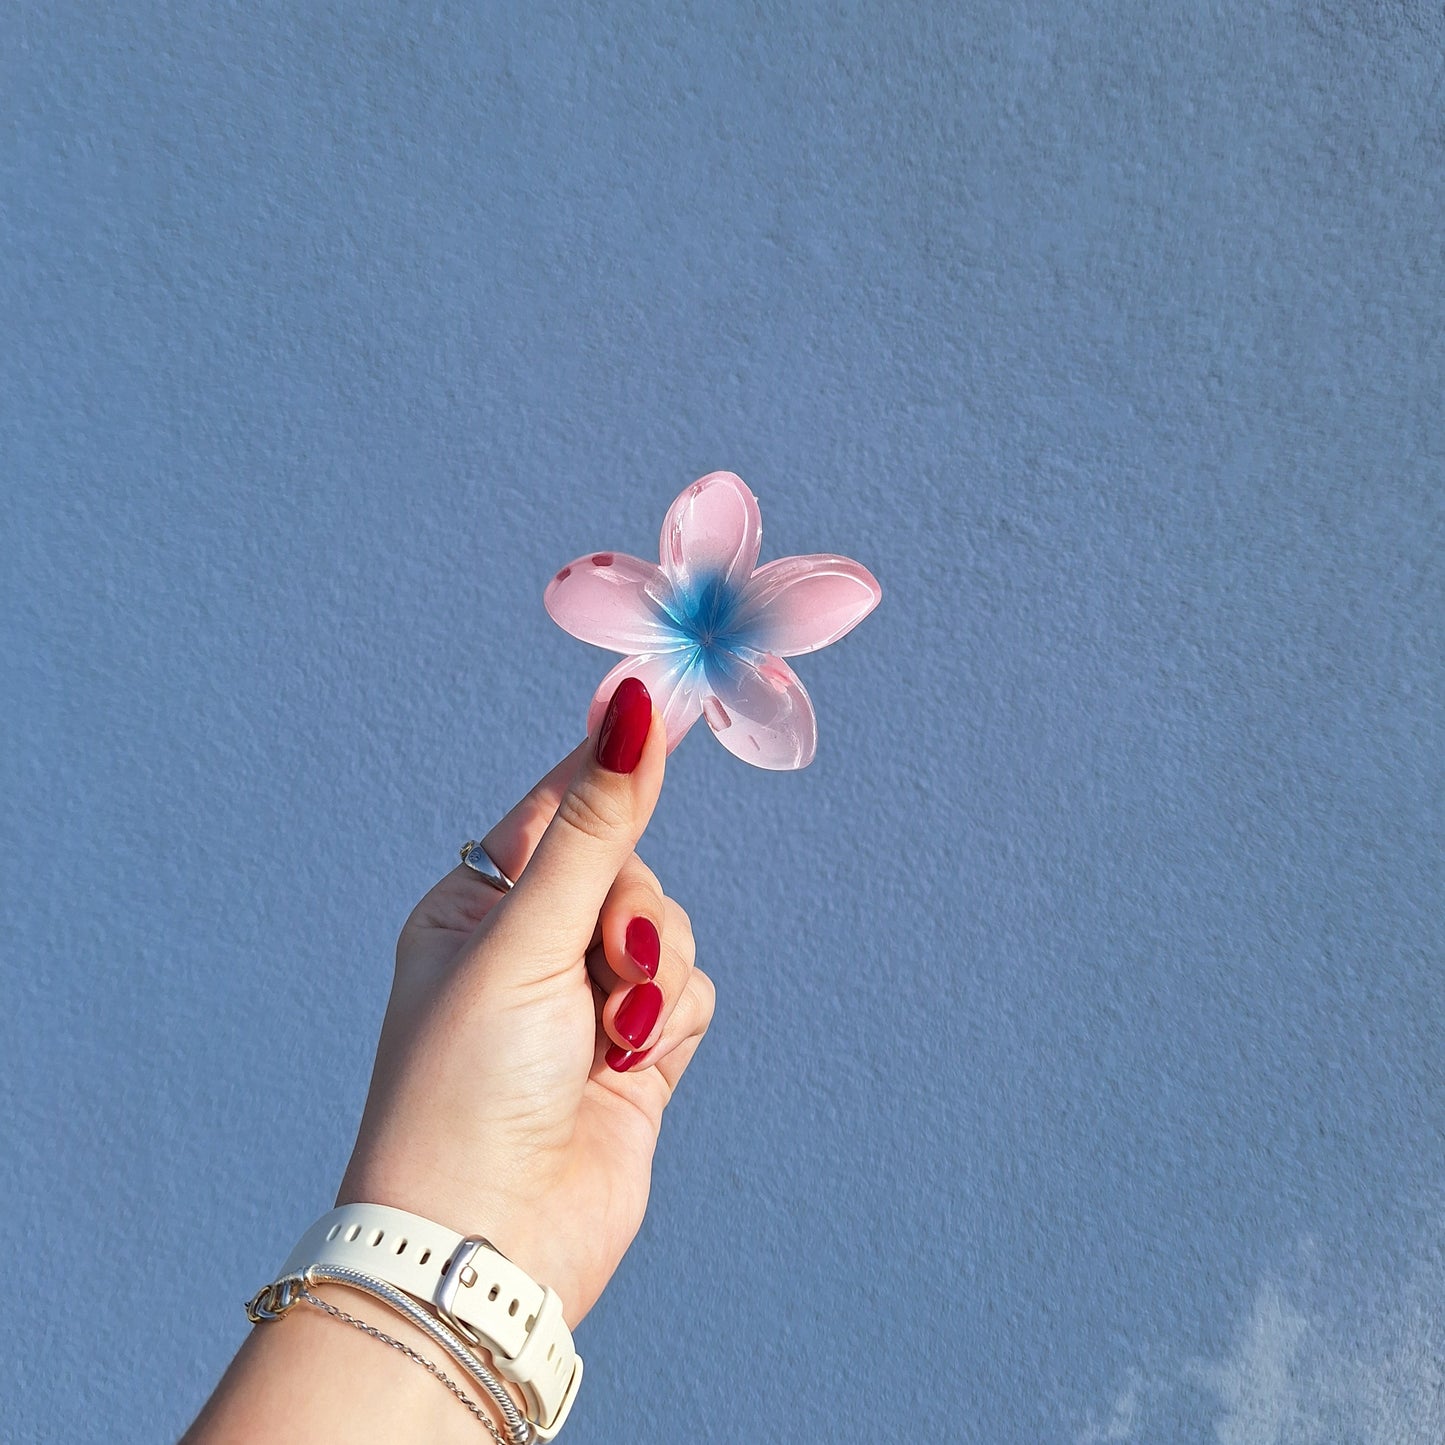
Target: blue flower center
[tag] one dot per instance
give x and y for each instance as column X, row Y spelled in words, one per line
column 707, row 615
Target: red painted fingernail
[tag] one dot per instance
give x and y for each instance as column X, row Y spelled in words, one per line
column 644, row 947
column 624, row 729
column 638, row 1014
column 620, row 1060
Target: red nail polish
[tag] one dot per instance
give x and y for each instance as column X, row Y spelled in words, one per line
column 624, row 729
column 638, row 1014
column 621, row 1060
column 644, row 947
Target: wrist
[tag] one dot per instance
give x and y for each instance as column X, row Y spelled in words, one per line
column 508, row 1230
column 413, row 1393
column 330, row 1380
column 468, row 1297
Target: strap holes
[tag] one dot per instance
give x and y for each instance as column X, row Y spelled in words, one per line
column 332, row 1232
column 447, row 1265
column 495, row 1291
column 551, row 1349
column 425, row 1255
column 531, row 1320
column 512, row 1308
column 399, row 1247
column 353, row 1232
column 376, row 1237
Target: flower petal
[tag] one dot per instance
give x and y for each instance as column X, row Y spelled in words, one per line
column 673, row 678
column 614, row 601
column 759, row 710
column 713, row 530
column 799, row 604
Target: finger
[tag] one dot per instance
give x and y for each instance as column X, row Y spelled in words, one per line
column 636, row 1017
column 673, row 1064
column 694, row 1017
column 464, row 898
column 608, row 983
column 513, row 840
column 678, row 1042
column 546, row 922
column 632, row 922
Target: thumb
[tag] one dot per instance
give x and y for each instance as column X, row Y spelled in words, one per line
column 549, row 918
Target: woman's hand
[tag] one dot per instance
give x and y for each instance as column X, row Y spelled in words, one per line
column 498, row 1106
column 495, row 1107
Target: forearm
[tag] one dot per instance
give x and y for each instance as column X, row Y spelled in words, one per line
column 310, row 1377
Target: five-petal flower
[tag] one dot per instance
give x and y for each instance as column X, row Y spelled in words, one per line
column 706, row 632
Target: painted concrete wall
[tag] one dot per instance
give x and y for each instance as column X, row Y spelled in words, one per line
column 1077, row 1069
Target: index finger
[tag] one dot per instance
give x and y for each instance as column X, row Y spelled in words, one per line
column 513, row 841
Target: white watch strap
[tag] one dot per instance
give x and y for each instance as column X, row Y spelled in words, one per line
column 469, row 1284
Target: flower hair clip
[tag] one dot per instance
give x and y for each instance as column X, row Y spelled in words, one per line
column 706, row 629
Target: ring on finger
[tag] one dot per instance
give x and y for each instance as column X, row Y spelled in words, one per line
column 476, row 857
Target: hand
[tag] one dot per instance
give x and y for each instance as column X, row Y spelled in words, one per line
column 497, row 1105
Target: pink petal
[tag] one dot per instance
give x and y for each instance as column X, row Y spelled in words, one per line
column 799, row 604
column 613, row 601
column 759, row 710
column 713, row 529
column 673, row 678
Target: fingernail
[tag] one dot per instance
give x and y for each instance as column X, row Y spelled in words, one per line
column 638, row 1014
column 624, row 729
column 620, row 1060
column 644, row 947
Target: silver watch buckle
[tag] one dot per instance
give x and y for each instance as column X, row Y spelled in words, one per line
column 452, row 1281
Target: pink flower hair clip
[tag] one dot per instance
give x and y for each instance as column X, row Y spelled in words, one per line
column 706, row 633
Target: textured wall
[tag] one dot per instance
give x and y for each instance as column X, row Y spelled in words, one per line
column 1077, row 1067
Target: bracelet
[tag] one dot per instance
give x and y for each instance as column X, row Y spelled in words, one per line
column 461, row 1291
column 273, row 1301
column 299, row 1291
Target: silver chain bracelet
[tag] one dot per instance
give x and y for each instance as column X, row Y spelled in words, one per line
column 411, row 1354
column 272, row 1301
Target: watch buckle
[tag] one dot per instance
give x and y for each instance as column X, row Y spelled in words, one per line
column 452, row 1281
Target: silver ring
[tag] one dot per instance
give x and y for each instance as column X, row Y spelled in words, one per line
column 480, row 861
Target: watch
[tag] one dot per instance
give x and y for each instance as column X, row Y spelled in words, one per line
column 472, row 1286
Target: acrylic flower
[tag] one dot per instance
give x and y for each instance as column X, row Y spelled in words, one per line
column 707, row 629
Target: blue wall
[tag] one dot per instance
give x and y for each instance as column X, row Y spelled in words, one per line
column 1077, row 1067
